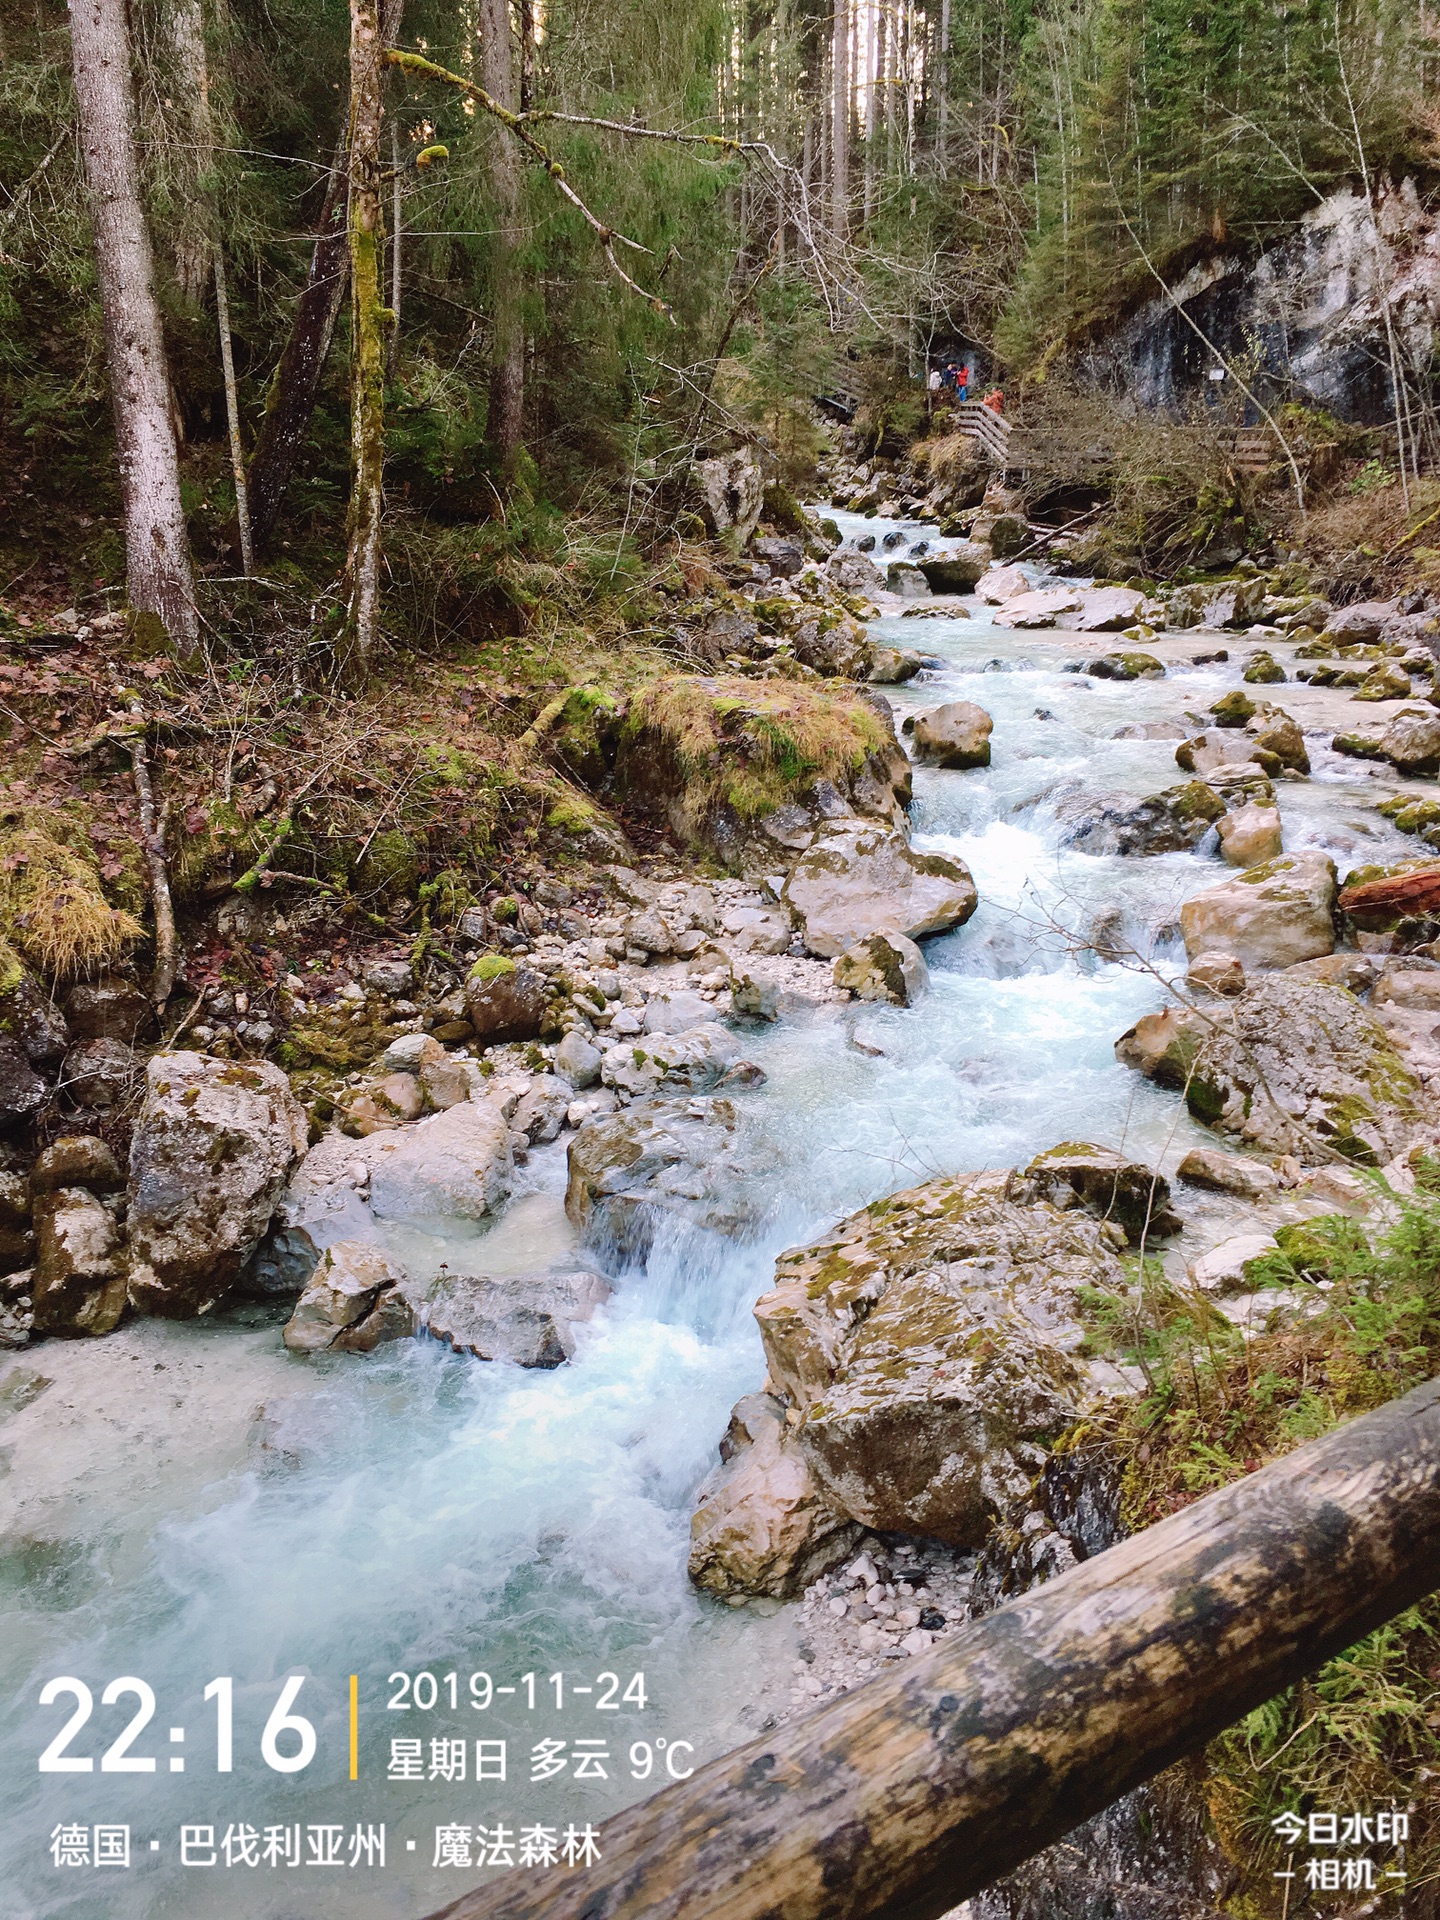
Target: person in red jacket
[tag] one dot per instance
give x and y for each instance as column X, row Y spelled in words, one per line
column 995, row 400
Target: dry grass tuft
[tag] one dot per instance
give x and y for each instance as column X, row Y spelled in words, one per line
column 52, row 910
column 753, row 745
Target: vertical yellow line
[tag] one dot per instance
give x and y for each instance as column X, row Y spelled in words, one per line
column 354, row 1726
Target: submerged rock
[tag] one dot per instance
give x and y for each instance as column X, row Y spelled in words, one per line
column 1270, row 916
column 665, row 1159
column 212, row 1149
column 859, row 878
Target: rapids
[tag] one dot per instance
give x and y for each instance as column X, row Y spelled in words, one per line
column 417, row 1511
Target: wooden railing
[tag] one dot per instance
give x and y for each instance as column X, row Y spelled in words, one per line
column 982, row 423
column 901, row 1799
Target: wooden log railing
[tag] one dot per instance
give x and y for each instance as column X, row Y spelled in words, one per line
column 902, row 1798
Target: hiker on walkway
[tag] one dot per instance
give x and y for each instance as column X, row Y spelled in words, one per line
column 962, row 383
column 995, row 400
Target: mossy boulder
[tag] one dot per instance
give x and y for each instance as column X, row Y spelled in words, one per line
column 1232, row 709
column 506, row 999
column 1270, row 916
column 1296, row 1066
column 1264, row 670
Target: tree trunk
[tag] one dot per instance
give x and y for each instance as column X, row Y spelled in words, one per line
column 902, row 1798
column 507, row 351
column 159, row 578
column 191, row 242
column 840, row 120
column 291, row 399
column 367, row 343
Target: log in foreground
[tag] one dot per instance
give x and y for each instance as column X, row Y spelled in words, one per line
column 914, row 1791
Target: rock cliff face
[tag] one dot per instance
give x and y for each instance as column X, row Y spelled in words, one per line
column 1314, row 303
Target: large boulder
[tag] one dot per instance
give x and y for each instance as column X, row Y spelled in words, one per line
column 855, row 573
column 886, row 967
column 505, row 999
column 1103, row 610
column 1274, row 734
column 1040, row 608
column 1293, row 1066
column 931, row 1346
column 528, row 1319
column 1359, row 624
column 956, row 735
column 1218, row 747
column 859, row 878
column 454, row 1165
column 79, row 1278
column 958, row 570
column 1163, row 1045
column 211, row 1153
column 692, row 1061
column 100, row 1073
column 1270, row 916
column 1411, row 742
column 109, row 1010
column 664, row 1161
column 731, row 494
column 761, row 1524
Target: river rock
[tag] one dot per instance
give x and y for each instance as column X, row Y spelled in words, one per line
column 212, row 1149
column 1233, row 709
column 77, row 1160
column 22, row 1091
column 677, row 1160
column 528, row 1319
column 859, row 878
column 930, row 1346
column 956, row 735
column 1217, row 973
column 1126, row 666
column 854, row 573
column 1217, row 748
column 694, row 1061
column 1040, row 608
column 761, row 929
column 1383, row 902
column 100, row 1073
column 906, row 579
column 761, row 1524
column 1250, row 835
column 1077, row 1173
column 1104, row 610
column 1270, row 916
column 891, row 666
column 578, row 1060
column 30, row 1018
column 109, row 1010
column 79, row 1278
column 958, row 570
column 1174, row 821
column 1358, row 625
column 1295, row 1067
column 999, row 584
column 1163, row 1045
column 454, row 1165
column 1411, row 742
column 1223, row 1268
column 506, row 1000
column 1232, row 1173
column 886, row 967
column 358, row 1298
column 1276, row 734
column 1386, row 680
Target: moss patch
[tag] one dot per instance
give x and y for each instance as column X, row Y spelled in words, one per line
column 53, row 912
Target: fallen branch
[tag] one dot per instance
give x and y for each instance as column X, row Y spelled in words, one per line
column 514, row 123
column 279, row 834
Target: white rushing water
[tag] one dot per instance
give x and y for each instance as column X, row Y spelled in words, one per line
column 412, row 1510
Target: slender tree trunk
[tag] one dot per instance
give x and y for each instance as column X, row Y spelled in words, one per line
column 159, row 578
column 392, row 355
column 192, row 232
column 840, row 119
column 367, row 343
column 291, row 399
column 507, row 352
